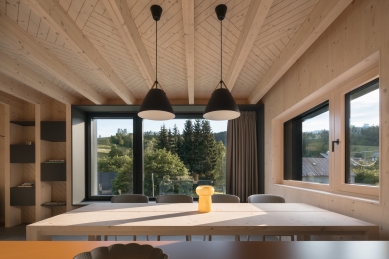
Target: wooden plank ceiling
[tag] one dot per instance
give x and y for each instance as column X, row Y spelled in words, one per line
column 103, row 51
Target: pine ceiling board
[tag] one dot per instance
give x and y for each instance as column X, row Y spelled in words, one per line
column 76, row 63
column 23, row 15
column 2, row 5
column 207, row 8
column 99, row 8
column 280, row 45
column 269, row 54
column 75, row 8
column 208, row 59
column 85, row 12
column 51, row 36
column 280, row 5
column 251, row 68
column 239, row 20
column 174, row 34
column 273, row 48
column 60, row 42
column 102, row 22
column 43, row 31
column 110, row 41
column 33, row 24
column 140, row 10
column 285, row 24
column 257, row 63
column 277, row 35
column 12, row 9
column 12, row 52
column 267, row 62
column 65, row 4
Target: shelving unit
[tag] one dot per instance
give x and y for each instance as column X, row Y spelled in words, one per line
column 22, row 196
column 22, row 154
column 53, row 171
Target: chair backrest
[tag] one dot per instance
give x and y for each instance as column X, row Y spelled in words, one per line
column 174, row 198
column 130, row 198
column 266, row 198
column 225, row 198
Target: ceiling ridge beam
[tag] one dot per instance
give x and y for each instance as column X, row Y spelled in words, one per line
column 122, row 18
column 60, row 21
column 188, row 20
column 253, row 22
column 13, row 68
column 321, row 17
column 37, row 53
column 15, row 88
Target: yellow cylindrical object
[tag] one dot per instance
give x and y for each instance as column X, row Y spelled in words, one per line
column 205, row 201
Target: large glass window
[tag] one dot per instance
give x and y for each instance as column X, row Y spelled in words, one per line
column 362, row 135
column 181, row 154
column 111, row 156
column 306, row 156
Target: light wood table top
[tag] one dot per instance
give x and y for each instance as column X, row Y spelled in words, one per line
column 209, row 250
column 184, row 219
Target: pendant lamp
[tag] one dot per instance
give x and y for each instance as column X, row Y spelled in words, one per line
column 156, row 105
column 221, row 105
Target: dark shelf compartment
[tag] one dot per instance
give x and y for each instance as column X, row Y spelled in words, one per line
column 22, row 153
column 22, row 196
column 54, row 131
column 53, row 172
column 24, row 123
column 54, row 204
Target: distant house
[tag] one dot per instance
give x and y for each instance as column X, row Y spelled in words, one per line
column 375, row 156
column 316, row 170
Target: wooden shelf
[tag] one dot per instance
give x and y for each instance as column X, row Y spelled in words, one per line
column 24, row 123
column 22, row 196
column 22, row 153
column 54, row 204
column 53, row 171
column 53, row 131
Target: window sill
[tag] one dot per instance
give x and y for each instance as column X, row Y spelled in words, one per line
column 367, row 199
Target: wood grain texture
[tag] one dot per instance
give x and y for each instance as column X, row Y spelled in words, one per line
column 352, row 38
column 31, row 48
column 223, row 220
column 324, row 13
column 65, row 26
column 188, row 7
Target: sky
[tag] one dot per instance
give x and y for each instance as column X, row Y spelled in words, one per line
column 109, row 127
column 364, row 110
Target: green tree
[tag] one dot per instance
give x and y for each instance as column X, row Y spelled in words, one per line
column 163, row 140
column 161, row 163
column 115, row 151
column 187, row 145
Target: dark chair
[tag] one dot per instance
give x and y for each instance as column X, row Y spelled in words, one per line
column 129, row 198
column 119, row 251
column 174, row 198
column 266, row 198
column 224, row 198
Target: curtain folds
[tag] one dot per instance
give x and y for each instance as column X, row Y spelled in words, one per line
column 242, row 156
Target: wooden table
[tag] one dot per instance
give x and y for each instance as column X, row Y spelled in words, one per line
column 184, row 219
column 210, row 250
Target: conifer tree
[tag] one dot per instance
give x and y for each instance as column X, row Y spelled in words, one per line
column 163, row 141
column 187, row 145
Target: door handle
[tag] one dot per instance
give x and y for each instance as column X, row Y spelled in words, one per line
column 333, row 142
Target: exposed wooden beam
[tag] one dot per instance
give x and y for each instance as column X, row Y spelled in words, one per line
column 61, row 22
column 15, row 88
column 325, row 12
column 13, row 68
column 188, row 19
column 36, row 52
column 252, row 24
column 122, row 18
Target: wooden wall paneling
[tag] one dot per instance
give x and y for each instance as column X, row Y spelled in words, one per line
column 3, row 4
column 65, row 26
column 15, row 69
column 35, row 51
column 350, row 39
column 324, row 13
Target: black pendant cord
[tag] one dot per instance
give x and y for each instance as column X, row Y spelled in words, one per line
column 221, row 54
column 156, row 51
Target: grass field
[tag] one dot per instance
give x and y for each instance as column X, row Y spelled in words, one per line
column 103, row 147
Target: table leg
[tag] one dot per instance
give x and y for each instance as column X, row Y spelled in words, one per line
column 303, row 238
column 32, row 234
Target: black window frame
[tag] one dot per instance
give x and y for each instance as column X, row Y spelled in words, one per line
column 347, row 105
column 83, row 113
column 293, row 153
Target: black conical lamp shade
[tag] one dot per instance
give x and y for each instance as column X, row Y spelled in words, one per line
column 221, row 106
column 156, row 106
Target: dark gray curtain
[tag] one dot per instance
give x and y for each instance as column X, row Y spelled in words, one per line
column 242, row 156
